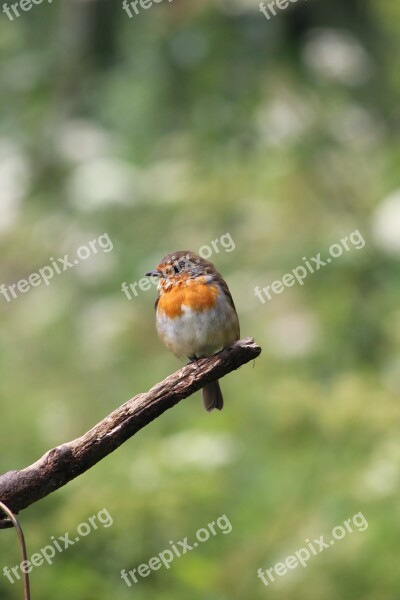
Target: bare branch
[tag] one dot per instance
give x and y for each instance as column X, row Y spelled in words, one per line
column 19, row 489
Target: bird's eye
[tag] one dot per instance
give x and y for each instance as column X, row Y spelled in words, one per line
column 178, row 267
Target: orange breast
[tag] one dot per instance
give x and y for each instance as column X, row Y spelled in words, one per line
column 197, row 296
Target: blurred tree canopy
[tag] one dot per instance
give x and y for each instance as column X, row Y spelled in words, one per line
column 168, row 130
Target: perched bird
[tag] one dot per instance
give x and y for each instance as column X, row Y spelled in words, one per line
column 196, row 316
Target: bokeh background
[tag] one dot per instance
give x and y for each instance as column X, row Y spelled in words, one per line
column 167, row 131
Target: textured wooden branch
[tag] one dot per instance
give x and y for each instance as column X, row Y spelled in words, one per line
column 19, row 489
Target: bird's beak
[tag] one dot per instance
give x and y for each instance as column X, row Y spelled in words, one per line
column 154, row 273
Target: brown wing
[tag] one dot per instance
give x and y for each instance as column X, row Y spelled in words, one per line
column 225, row 289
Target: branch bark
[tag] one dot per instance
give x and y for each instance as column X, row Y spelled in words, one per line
column 20, row 489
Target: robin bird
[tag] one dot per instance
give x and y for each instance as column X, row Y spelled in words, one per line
column 195, row 313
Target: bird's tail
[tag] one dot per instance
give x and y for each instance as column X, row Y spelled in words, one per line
column 212, row 396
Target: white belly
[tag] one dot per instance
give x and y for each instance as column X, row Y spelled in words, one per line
column 198, row 333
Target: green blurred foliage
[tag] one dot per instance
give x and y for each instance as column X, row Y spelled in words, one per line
column 167, row 131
